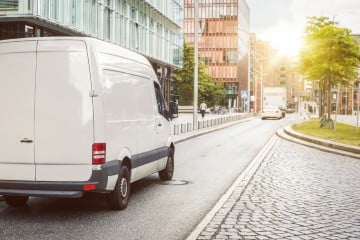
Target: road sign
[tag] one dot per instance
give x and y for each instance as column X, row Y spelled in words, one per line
column 244, row 94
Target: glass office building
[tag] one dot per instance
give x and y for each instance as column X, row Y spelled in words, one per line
column 151, row 27
column 223, row 42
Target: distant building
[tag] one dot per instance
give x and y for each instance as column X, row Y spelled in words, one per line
column 151, row 27
column 223, row 43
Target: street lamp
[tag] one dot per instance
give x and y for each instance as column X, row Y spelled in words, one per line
column 260, row 64
column 196, row 65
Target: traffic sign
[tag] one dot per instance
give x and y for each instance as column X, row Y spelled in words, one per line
column 244, row 94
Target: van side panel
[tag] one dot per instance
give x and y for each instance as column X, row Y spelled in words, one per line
column 17, row 79
column 63, row 113
column 147, row 127
column 136, row 107
column 119, row 112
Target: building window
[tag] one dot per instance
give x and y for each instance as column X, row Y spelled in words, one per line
column 159, row 49
column 134, row 30
column 92, row 17
column 75, row 17
column 107, row 23
column 151, row 38
column 9, row 5
column 53, row 9
column 44, row 9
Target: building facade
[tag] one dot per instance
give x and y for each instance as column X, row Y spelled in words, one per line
column 223, row 42
column 152, row 28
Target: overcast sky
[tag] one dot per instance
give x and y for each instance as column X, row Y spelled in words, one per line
column 276, row 20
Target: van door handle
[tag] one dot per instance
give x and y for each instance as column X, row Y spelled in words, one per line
column 25, row 140
column 159, row 124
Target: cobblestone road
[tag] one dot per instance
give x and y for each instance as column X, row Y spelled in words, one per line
column 296, row 193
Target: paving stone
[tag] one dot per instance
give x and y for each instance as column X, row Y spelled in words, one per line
column 297, row 192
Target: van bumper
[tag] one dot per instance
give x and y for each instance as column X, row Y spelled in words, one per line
column 96, row 183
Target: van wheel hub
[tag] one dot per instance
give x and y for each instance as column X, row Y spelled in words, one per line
column 123, row 187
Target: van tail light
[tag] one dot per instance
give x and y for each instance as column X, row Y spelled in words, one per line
column 89, row 187
column 98, row 153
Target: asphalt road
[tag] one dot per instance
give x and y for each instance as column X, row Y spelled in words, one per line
column 207, row 165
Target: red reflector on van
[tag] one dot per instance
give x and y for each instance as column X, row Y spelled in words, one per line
column 98, row 153
column 88, row 187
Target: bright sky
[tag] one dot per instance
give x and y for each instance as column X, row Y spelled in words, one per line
column 282, row 22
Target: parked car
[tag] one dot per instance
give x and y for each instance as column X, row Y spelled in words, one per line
column 79, row 115
column 290, row 110
column 271, row 112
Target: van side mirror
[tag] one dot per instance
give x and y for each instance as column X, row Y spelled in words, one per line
column 174, row 110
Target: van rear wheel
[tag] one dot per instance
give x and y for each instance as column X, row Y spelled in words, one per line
column 16, row 201
column 167, row 173
column 119, row 198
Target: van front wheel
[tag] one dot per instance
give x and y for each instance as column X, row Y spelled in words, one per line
column 119, row 198
column 167, row 173
column 16, row 201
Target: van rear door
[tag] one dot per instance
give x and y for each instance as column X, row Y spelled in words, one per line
column 17, row 79
column 64, row 112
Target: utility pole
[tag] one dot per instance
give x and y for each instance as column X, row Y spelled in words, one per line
column 249, row 74
column 196, row 65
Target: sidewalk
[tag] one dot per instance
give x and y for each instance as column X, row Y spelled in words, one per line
column 347, row 119
column 182, row 126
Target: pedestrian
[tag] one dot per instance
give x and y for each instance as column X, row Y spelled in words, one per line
column 203, row 108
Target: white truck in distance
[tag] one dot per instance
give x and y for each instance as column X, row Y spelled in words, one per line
column 275, row 96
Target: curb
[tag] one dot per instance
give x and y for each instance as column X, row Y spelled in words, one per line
column 322, row 145
column 323, row 142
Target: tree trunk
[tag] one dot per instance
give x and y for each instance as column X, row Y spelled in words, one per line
column 321, row 100
column 329, row 101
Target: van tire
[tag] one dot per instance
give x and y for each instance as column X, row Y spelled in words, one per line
column 167, row 173
column 119, row 198
column 16, row 201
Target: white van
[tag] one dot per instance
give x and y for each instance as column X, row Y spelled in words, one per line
column 79, row 114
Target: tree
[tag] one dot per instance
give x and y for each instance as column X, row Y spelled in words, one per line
column 212, row 93
column 331, row 56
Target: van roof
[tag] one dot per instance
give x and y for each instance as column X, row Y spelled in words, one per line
column 101, row 46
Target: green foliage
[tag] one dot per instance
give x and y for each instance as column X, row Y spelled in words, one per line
column 212, row 93
column 331, row 55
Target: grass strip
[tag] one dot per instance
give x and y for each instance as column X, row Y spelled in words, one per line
column 344, row 133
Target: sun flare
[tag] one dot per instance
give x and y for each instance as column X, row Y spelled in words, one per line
column 285, row 39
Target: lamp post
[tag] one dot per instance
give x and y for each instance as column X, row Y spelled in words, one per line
column 260, row 64
column 196, row 65
column 249, row 74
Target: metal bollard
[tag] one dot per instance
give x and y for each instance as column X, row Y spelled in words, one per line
column 176, row 129
column 200, row 125
column 183, row 128
column 189, row 127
